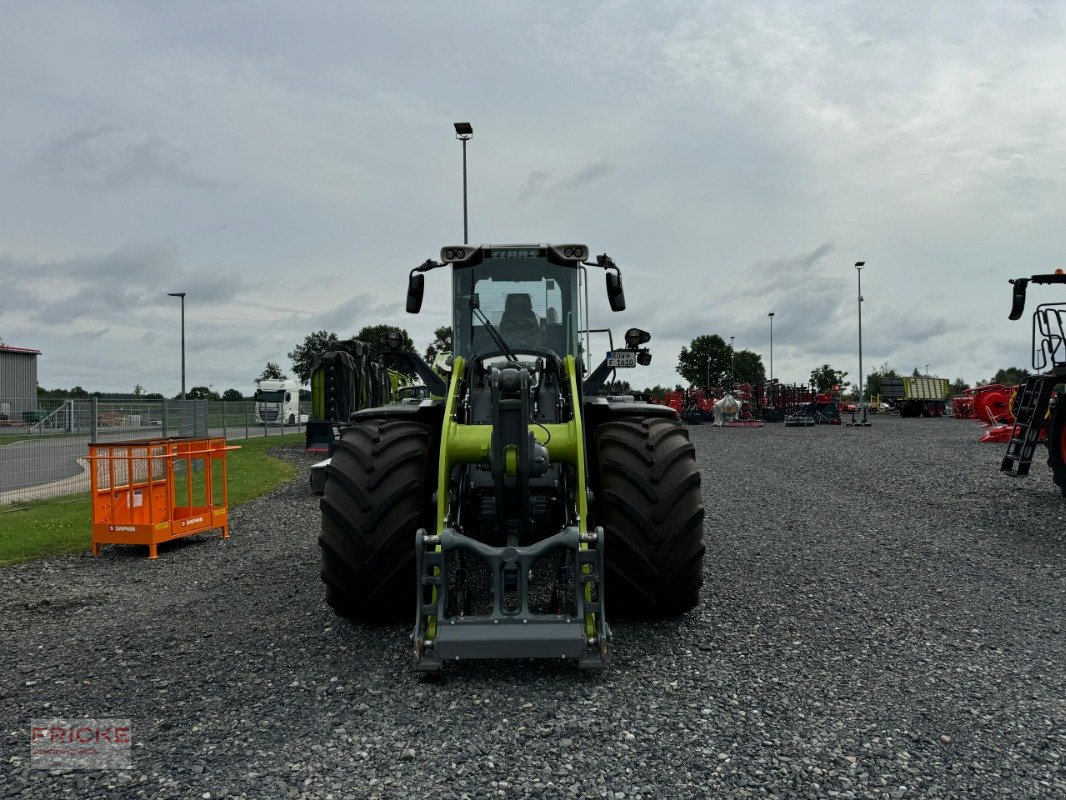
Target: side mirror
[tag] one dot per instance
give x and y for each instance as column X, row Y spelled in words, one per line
column 416, row 285
column 615, row 295
column 1018, row 304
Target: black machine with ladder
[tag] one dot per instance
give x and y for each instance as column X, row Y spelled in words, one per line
column 1036, row 416
column 1030, row 417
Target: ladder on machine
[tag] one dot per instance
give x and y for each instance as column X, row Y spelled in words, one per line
column 1030, row 418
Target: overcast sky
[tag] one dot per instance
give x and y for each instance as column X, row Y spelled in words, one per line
column 286, row 164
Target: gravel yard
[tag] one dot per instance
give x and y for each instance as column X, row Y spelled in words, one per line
column 882, row 617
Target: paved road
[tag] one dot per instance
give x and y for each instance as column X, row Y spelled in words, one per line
column 53, row 461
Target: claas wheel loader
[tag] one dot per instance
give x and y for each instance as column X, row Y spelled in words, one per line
column 505, row 514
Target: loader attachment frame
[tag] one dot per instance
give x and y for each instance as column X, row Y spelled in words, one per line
column 581, row 634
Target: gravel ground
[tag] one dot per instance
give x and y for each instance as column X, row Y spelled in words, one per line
column 882, row 617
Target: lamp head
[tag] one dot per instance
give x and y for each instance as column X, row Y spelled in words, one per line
column 635, row 337
column 391, row 340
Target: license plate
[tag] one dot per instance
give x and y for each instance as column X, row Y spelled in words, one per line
column 621, row 358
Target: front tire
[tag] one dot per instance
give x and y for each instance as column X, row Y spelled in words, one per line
column 1056, row 445
column 377, row 495
column 652, row 513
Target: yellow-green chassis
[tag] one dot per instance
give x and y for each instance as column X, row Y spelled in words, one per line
column 514, row 633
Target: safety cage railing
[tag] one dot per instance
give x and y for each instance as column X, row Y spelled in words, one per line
column 1049, row 336
column 152, row 491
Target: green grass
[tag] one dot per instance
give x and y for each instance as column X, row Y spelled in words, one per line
column 9, row 438
column 54, row 527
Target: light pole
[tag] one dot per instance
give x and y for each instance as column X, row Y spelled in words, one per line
column 771, row 316
column 732, row 375
column 862, row 384
column 464, row 133
column 707, row 379
column 182, row 296
column 927, row 370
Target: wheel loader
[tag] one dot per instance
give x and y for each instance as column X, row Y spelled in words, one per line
column 505, row 514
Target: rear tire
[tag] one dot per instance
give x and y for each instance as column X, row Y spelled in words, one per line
column 651, row 510
column 377, row 495
column 1056, row 445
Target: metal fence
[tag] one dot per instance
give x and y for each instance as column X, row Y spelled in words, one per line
column 44, row 441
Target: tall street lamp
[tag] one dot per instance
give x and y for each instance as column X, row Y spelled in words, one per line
column 707, row 380
column 771, row 316
column 732, row 375
column 182, row 296
column 464, row 133
column 862, row 384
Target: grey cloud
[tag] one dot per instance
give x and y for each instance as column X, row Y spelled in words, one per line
column 109, row 157
column 125, row 282
column 539, row 181
column 535, row 183
column 347, row 317
column 345, row 314
column 815, row 317
column 589, row 174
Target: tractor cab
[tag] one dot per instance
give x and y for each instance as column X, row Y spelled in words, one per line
column 527, row 293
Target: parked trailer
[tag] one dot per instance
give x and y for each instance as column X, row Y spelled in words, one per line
column 919, row 396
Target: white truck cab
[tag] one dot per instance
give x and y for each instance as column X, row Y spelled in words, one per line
column 278, row 403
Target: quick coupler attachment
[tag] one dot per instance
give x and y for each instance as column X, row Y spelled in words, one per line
column 543, row 600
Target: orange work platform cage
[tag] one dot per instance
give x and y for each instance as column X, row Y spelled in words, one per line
column 151, row 491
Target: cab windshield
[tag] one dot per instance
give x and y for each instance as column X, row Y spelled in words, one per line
column 532, row 303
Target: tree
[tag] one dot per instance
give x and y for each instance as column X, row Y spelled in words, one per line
column 201, row 393
column 655, row 391
column 442, row 343
column 874, row 381
column 748, row 367
column 304, row 354
column 232, row 395
column 1010, row 376
column 371, row 337
column 825, row 378
column 959, row 386
column 271, row 372
column 616, row 387
column 705, row 360
column 138, row 391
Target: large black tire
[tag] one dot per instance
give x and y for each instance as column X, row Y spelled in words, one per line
column 650, row 507
column 379, row 488
column 1056, row 444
